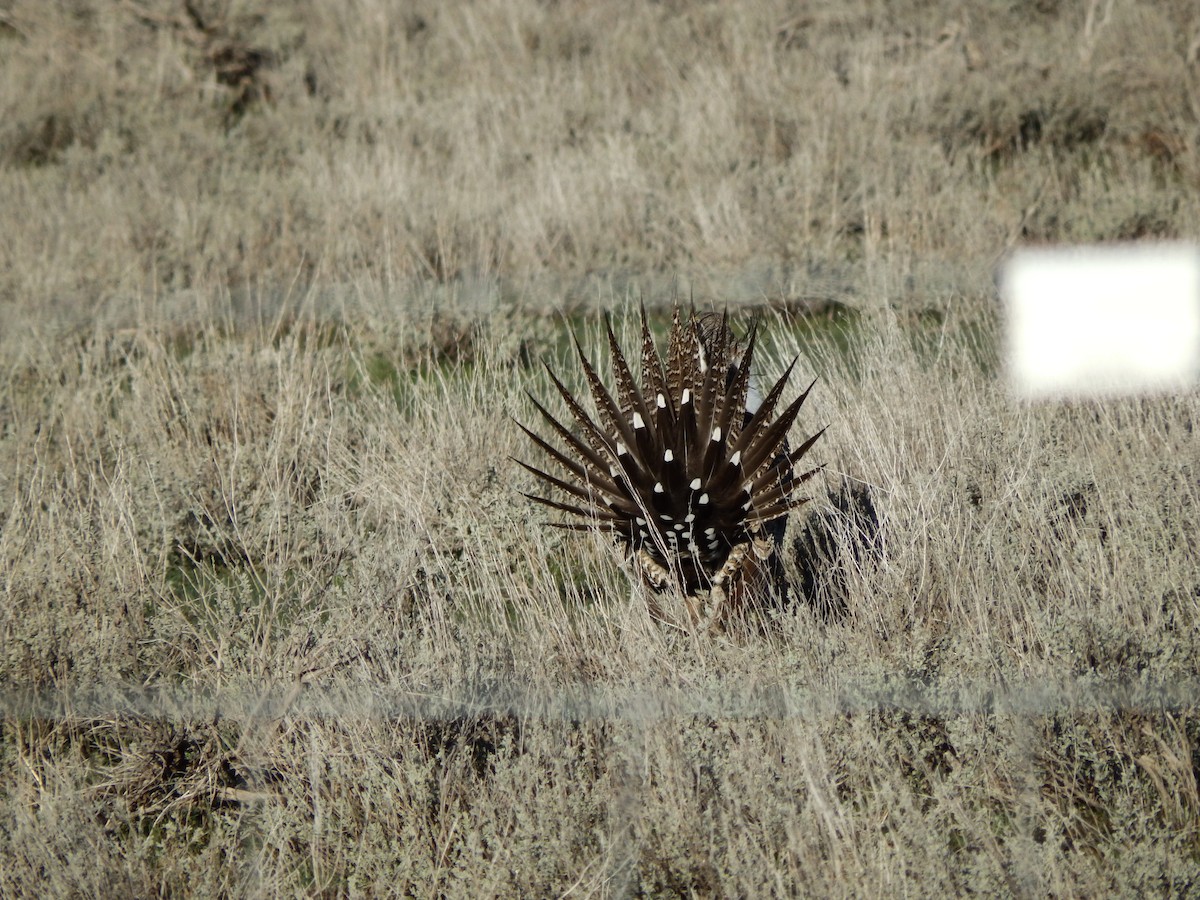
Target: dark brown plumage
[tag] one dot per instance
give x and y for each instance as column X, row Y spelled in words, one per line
column 690, row 480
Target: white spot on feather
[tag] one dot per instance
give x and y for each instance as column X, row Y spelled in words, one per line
column 661, row 401
column 736, row 459
column 695, row 484
column 716, row 435
column 668, row 456
column 638, row 421
column 687, row 397
column 703, row 499
column 658, row 488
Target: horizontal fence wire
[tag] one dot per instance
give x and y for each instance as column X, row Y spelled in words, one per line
column 725, row 698
column 641, row 707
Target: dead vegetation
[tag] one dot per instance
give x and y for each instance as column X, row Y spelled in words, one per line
column 275, row 619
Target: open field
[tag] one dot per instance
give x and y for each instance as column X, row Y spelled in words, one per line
column 276, row 618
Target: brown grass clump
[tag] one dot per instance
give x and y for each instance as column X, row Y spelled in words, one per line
column 154, row 147
column 248, row 524
column 275, row 618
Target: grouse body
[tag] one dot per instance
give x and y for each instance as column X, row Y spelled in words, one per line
column 691, row 470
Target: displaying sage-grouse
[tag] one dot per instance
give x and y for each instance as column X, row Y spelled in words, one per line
column 692, row 471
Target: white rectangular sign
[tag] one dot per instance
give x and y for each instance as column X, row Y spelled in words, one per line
column 1103, row 320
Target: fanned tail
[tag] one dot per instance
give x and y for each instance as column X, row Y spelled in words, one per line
column 676, row 466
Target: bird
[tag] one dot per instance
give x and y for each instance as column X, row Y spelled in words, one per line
column 691, row 470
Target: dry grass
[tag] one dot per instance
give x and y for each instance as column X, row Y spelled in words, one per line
column 272, row 278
